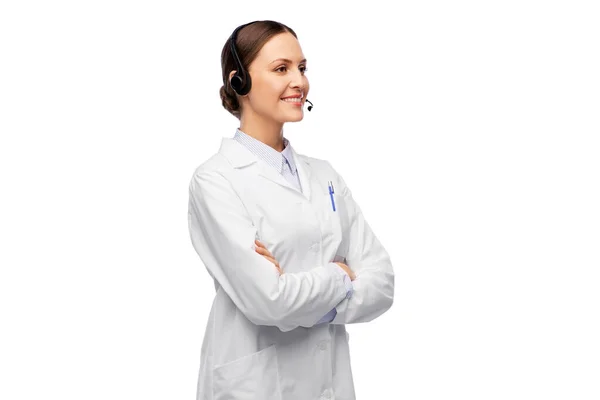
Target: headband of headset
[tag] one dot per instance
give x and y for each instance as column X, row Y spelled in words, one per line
column 240, row 82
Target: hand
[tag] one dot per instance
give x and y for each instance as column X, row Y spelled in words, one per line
column 347, row 269
column 262, row 250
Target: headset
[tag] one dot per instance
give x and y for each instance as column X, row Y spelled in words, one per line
column 241, row 82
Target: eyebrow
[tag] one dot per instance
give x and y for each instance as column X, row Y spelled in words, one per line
column 286, row 60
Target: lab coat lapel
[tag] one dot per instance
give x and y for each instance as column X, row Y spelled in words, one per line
column 239, row 156
column 303, row 170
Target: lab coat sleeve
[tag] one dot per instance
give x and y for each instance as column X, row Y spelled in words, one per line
column 331, row 314
column 373, row 287
column 223, row 234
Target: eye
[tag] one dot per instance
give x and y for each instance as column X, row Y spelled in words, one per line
column 302, row 68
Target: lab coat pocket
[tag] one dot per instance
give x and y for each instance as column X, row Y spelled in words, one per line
column 253, row 376
column 339, row 222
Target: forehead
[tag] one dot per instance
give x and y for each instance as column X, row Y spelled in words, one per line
column 283, row 45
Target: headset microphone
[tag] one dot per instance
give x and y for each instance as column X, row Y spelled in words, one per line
column 311, row 105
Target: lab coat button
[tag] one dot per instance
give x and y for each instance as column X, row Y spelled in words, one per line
column 326, row 395
column 323, row 345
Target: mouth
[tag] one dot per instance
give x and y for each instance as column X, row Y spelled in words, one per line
column 294, row 101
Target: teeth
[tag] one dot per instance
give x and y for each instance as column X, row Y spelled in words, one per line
column 293, row 100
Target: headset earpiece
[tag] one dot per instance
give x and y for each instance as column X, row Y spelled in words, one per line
column 237, row 83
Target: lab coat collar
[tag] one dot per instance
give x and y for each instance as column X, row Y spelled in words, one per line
column 266, row 153
column 239, row 157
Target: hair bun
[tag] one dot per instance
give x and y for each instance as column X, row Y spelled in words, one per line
column 230, row 102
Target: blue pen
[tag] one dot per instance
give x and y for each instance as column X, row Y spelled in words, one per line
column 331, row 192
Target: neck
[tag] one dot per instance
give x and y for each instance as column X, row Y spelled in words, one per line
column 268, row 132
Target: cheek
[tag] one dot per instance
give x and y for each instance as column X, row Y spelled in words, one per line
column 271, row 94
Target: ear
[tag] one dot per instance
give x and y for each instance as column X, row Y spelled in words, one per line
column 231, row 74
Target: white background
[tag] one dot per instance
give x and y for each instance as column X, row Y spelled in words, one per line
column 467, row 131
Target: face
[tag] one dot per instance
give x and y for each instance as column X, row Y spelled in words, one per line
column 274, row 79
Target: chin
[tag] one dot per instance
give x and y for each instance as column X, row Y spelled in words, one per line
column 286, row 118
column 289, row 114
column 296, row 119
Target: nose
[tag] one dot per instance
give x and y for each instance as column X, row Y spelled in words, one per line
column 299, row 80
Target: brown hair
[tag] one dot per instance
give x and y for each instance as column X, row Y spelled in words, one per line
column 250, row 39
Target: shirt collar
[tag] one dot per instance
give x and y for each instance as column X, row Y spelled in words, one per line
column 266, row 152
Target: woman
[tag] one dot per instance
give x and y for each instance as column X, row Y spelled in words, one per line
column 292, row 257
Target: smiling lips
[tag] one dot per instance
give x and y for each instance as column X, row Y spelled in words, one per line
column 295, row 101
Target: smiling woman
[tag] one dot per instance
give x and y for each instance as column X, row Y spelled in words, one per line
column 279, row 232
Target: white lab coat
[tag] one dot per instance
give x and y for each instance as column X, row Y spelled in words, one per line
column 261, row 341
